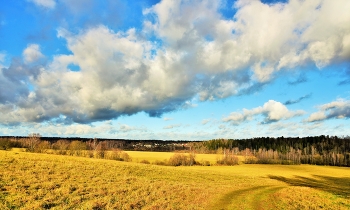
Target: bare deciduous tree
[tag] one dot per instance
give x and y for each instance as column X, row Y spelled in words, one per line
column 32, row 141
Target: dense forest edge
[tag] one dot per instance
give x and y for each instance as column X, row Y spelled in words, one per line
column 316, row 150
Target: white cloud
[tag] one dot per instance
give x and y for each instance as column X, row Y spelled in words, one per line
column 317, row 116
column 50, row 4
column 172, row 126
column 272, row 110
column 205, row 121
column 124, row 128
column 2, row 57
column 337, row 109
column 267, row 37
column 167, row 119
column 32, row 53
column 199, row 54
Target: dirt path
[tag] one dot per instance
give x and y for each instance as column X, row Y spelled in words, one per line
column 251, row 198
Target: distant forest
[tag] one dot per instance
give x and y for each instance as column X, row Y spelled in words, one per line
column 318, row 150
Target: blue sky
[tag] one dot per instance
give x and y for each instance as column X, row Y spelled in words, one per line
column 181, row 70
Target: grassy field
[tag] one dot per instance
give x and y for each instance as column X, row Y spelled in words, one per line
column 153, row 157
column 42, row 181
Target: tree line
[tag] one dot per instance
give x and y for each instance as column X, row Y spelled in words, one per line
column 92, row 148
column 318, row 150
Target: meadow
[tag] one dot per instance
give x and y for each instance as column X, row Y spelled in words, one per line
column 47, row 181
column 154, row 157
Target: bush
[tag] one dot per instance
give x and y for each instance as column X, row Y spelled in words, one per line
column 42, row 146
column 182, row 160
column 61, row 145
column 229, row 160
column 145, row 162
column 5, row 144
column 125, row 157
column 77, row 145
column 160, row 163
column 99, row 154
column 205, row 163
column 250, row 160
column 113, row 155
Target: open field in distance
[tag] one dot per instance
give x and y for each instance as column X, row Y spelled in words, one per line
column 152, row 157
column 35, row 181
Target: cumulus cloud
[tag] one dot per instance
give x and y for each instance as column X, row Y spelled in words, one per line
column 337, row 109
column 272, row 111
column 193, row 52
column 15, row 82
column 49, row 4
column 32, row 53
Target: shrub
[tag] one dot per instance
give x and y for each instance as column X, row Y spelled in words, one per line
column 112, row 155
column 250, row 160
column 77, row 145
column 182, row 160
column 145, row 162
column 125, row 157
column 161, row 163
column 205, row 163
column 5, row 144
column 61, row 145
column 229, row 160
column 42, row 146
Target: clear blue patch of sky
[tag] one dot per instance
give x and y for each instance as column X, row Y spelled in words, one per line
column 18, row 23
column 73, row 67
column 274, row 1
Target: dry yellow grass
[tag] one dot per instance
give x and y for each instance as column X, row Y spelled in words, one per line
column 152, row 157
column 37, row 181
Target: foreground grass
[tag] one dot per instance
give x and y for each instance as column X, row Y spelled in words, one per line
column 37, row 181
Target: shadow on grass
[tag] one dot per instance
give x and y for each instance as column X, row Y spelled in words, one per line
column 334, row 185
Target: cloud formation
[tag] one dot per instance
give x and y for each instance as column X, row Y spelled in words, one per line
column 49, row 4
column 301, row 79
column 167, row 119
column 32, row 53
column 272, row 111
column 289, row 102
column 205, row 121
column 185, row 50
column 337, row 109
column 172, row 126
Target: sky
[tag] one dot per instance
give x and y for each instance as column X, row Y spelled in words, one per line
column 175, row 69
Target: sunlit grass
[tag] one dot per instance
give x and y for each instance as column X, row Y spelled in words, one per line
column 37, row 181
column 153, row 157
